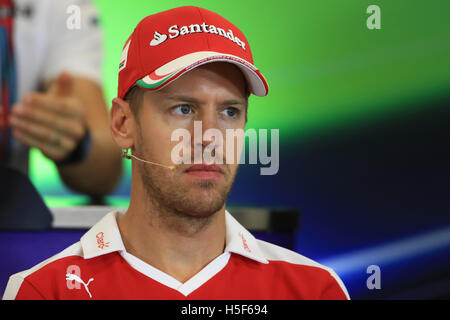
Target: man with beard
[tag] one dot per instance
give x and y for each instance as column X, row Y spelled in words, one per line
column 176, row 240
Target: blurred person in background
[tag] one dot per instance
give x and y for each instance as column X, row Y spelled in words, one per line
column 51, row 95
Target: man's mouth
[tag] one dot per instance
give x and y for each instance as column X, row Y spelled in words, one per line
column 204, row 171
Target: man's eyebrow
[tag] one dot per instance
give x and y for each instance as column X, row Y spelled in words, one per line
column 178, row 97
column 235, row 101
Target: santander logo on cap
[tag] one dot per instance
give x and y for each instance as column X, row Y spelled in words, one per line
column 175, row 31
column 158, row 38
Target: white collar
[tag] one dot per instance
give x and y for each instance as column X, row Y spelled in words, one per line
column 239, row 240
column 104, row 237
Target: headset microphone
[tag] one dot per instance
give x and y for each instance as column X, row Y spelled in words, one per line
column 125, row 154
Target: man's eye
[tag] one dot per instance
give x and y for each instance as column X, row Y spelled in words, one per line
column 230, row 112
column 183, row 109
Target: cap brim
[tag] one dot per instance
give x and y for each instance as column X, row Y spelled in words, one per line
column 174, row 69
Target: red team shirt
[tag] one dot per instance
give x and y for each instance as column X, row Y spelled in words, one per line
column 99, row 267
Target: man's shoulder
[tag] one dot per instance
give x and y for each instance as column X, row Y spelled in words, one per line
column 46, row 267
column 46, row 270
column 296, row 265
column 51, row 276
column 273, row 252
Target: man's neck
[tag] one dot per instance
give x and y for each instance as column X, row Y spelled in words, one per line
column 178, row 246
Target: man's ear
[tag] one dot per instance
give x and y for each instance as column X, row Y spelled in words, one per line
column 122, row 123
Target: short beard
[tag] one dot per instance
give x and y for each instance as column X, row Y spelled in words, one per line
column 179, row 209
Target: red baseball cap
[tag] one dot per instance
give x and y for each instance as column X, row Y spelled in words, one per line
column 168, row 44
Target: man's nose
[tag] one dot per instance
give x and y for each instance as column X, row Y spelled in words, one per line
column 207, row 138
column 208, row 120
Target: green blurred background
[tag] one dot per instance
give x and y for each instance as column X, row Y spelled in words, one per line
column 325, row 68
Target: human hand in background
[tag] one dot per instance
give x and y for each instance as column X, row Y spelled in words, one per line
column 53, row 122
